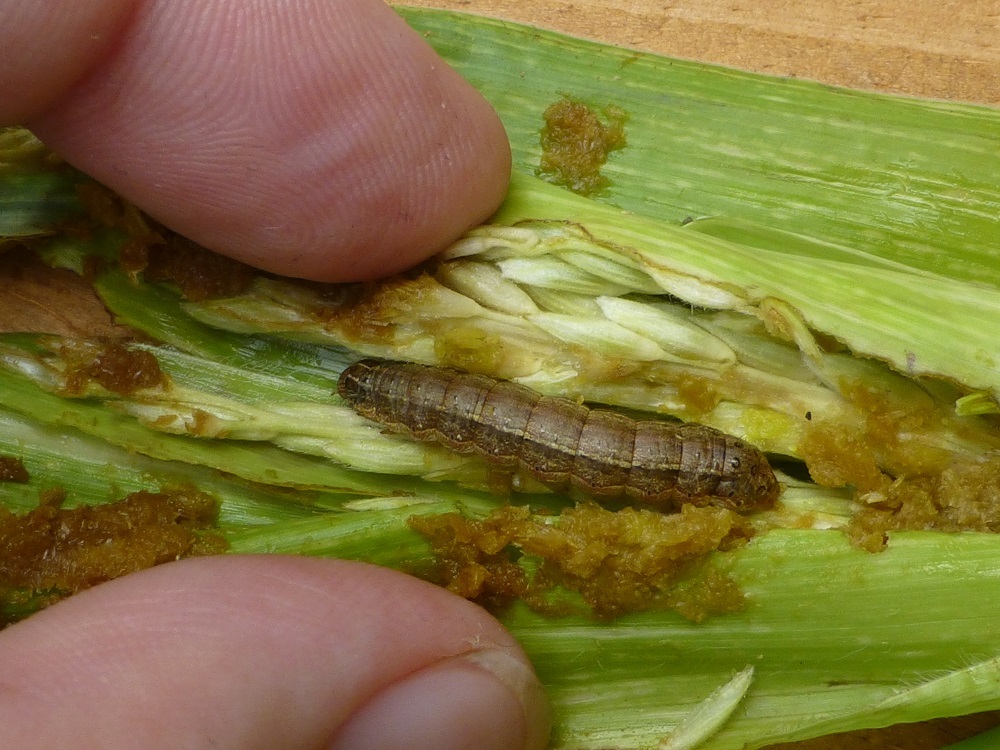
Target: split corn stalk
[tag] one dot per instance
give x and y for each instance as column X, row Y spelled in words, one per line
column 840, row 242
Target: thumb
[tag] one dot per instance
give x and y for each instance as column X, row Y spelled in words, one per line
column 318, row 139
column 266, row 652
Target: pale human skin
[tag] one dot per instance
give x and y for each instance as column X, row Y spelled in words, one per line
column 314, row 138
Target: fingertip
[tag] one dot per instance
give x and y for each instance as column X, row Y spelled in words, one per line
column 239, row 651
column 487, row 700
column 48, row 47
column 325, row 142
column 519, row 678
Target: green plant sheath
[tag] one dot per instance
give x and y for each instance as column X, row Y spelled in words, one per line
column 913, row 181
column 833, row 633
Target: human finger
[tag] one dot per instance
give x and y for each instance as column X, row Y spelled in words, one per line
column 317, row 139
column 266, row 652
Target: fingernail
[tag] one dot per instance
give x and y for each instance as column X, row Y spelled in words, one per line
column 486, row 700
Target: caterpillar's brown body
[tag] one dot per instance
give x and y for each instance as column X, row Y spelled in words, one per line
column 560, row 442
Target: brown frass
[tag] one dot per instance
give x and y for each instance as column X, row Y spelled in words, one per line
column 902, row 484
column 965, row 496
column 12, row 470
column 198, row 273
column 616, row 562
column 113, row 365
column 51, row 551
column 576, row 143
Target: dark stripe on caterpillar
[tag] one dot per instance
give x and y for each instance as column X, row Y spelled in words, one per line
column 562, row 443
